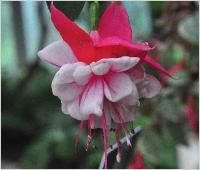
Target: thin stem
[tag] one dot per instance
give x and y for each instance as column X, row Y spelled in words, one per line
column 94, row 11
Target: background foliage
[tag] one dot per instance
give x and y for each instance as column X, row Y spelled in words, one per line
column 35, row 134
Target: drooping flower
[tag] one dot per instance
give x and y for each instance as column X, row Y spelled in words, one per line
column 100, row 77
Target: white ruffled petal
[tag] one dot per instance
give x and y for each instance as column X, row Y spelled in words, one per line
column 132, row 99
column 63, row 84
column 123, row 113
column 82, row 74
column 100, row 68
column 120, row 64
column 137, row 73
column 92, row 98
column 117, row 86
column 149, row 87
column 58, row 54
column 73, row 109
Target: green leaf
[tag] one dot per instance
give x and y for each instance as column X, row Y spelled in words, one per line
column 94, row 159
column 176, row 132
column 140, row 18
column 177, row 54
column 66, row 147
column 169, row 108
column 11, row 121
column 181, row 79
column 71, row 9
column 167, row 91
column 157, row 6
column 189, row 28
column 150, row 145
column 158, row 150
column 168, row 154
column 38, row 153
column 143, row 121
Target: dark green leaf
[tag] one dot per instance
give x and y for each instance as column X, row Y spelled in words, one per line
column 36, row 155
column 157, row 6
column 71, row 9
column 177, row 54
column 181, row 79
column 169, row 108
column 143, row 121
column 159, row 151
column 150, row 144
column 176, row 131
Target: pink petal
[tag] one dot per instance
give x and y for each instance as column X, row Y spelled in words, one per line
column 156, row 65
column 132, row 99
column 65, row 73
column 66, row 92
column 94, row 35
column 57, row 53
column 92, row 98
column 100, row 68
column 115, row 22
column 121, row 64
column 97, row 122
column 137, row 73
column 150, row 87
column 63, row 84
column 82, row 74
column 72, row 108
column 78, row 39
column 126, row 113
column 117, row 86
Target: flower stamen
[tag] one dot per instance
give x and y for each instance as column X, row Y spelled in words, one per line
column 89, row 137
column 104, row 139
column 118, row 157
column 124, row 128
column 78, row 135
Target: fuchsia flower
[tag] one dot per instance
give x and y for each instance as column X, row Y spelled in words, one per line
column 100, row 76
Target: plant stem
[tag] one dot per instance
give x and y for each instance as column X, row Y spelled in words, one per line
column 94, row 11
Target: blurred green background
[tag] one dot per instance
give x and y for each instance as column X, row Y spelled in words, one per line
column 36, row 134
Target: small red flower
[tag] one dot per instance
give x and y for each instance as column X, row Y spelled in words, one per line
column 191, row 114
column 138, row 162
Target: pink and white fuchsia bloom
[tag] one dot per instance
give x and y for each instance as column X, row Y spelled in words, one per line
column 100, row 76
